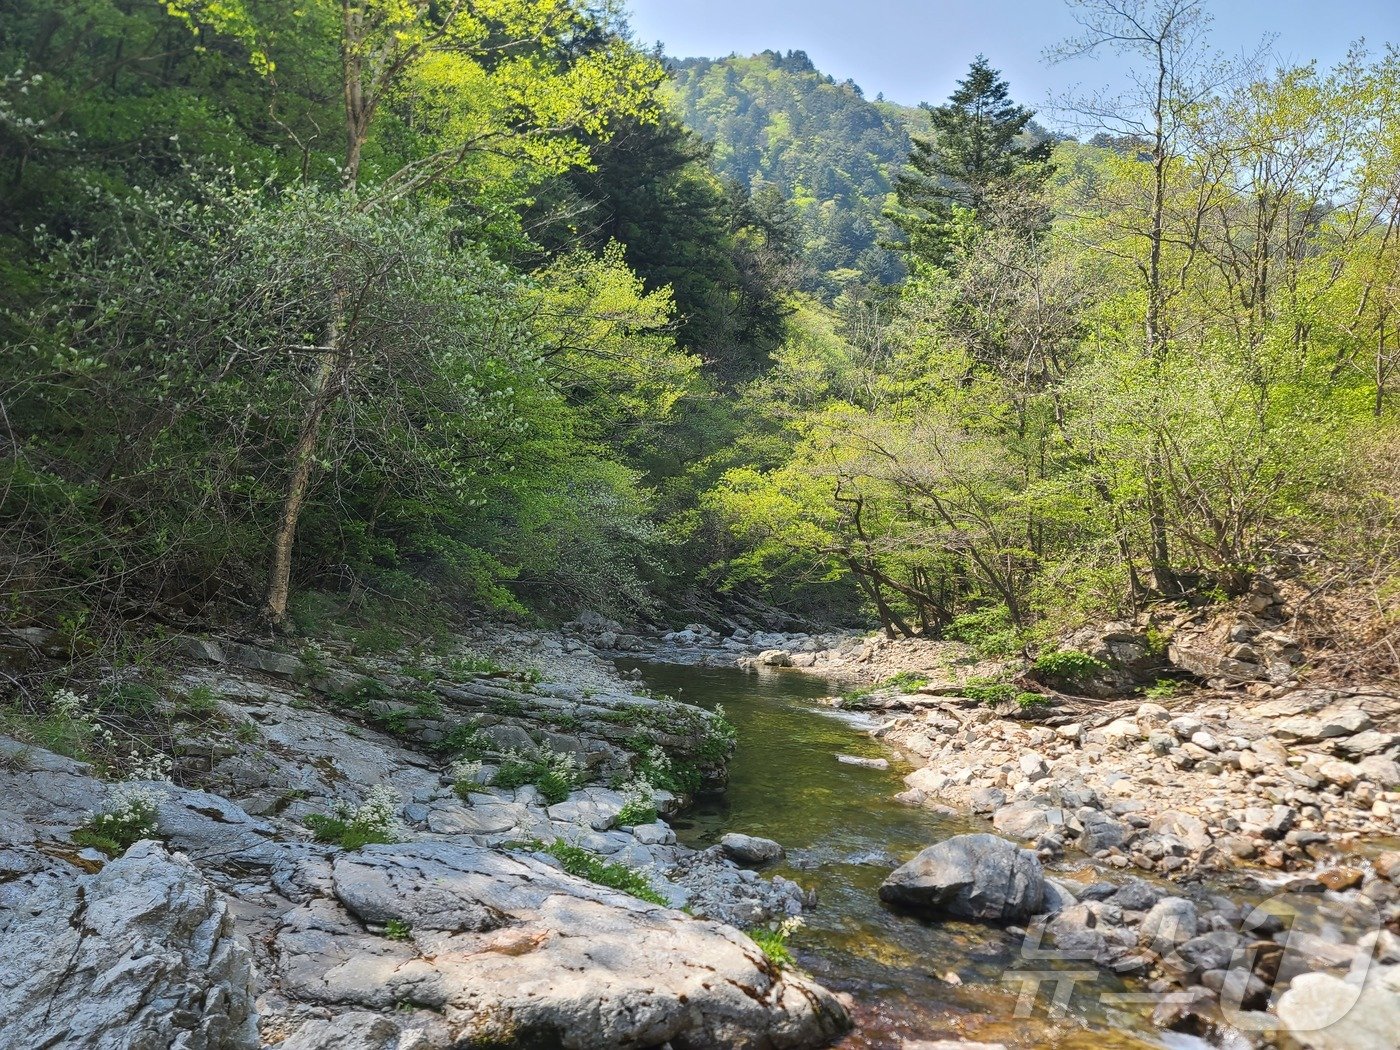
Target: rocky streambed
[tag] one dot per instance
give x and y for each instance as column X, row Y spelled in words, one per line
column 1225, row 852
column 511, row 844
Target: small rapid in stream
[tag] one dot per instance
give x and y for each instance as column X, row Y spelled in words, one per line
column 844, row 832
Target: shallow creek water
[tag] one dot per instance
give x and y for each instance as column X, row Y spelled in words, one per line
column 843, row 831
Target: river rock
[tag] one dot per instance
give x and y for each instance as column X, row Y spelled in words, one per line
column 140, row 954
column 867, row 763
column 970, row 876
column 750, row 849
column 1323, row 726
column 1323, row 1012
column 1171, row 922
column 1030, row 820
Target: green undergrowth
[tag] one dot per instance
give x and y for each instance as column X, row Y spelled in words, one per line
column 773, row 941
column 583, row 864
column 905, row 681
column 993, row 693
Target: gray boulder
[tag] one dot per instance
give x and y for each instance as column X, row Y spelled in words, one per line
column 750, row 849
column 1171, row 922
column 139, row 955
column 503, row 946
column 970, row 876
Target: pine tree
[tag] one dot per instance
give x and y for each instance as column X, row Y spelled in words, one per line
column 977, row 158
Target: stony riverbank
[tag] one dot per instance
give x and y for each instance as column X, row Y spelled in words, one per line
column 1249, row 775
column 428, row 910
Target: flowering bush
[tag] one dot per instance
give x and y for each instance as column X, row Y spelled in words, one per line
column 773, row 939
column 638, row 803
column 130, row 816
column 375, row 820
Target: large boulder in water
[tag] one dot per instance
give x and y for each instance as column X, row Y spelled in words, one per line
column 970, row 877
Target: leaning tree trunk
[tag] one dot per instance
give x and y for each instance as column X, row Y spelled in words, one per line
column 303, row 459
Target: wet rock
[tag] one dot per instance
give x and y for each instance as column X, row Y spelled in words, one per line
column 750, row 849
column 1338, row 879
column 1134, row 894
column 1192, row 1011
column 1100, row 831
column 1171, row 922
column 867, row 763
column 1209, row 951
column 970, row 876
column 1387, row 865
column 143, row 954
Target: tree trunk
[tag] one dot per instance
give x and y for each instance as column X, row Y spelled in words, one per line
column 279, row 573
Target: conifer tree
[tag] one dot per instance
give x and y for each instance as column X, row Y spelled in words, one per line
column 977, row 158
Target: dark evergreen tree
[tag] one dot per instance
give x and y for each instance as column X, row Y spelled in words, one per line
column 984, row 155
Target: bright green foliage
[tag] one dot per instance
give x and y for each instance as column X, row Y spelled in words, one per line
column 581, row 863
column 373, row 821
column 773, row 942
column 553, row 774
column 1069, row 665
column 129, row 818
column 1001, row 452
column 398, row 930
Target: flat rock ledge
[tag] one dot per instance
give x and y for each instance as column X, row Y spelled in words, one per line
column 506, row 948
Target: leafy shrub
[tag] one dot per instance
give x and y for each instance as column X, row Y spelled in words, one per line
column 638, row 805
column 1069, row 665
column 988, row 630
column 581, row 863
column 1155, row 640
column 201, row 701
column 463, row 666
column 464, row 740
column 906, row 680
column 657, row 768
column 466, row 776
column 553, row 773
column 993, row 693
column 131, row 698
column 398, row 930
column 719, row 739
column 376, row 820
column 1162, row 689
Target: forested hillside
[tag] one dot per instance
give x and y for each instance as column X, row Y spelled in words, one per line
column 774, row 119
column 306, row 309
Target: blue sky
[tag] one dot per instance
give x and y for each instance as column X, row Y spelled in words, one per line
column 914, row 50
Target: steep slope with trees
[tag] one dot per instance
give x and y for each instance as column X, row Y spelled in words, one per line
column 775, row 120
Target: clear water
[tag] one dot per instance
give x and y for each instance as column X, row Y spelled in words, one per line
column 909, row 979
